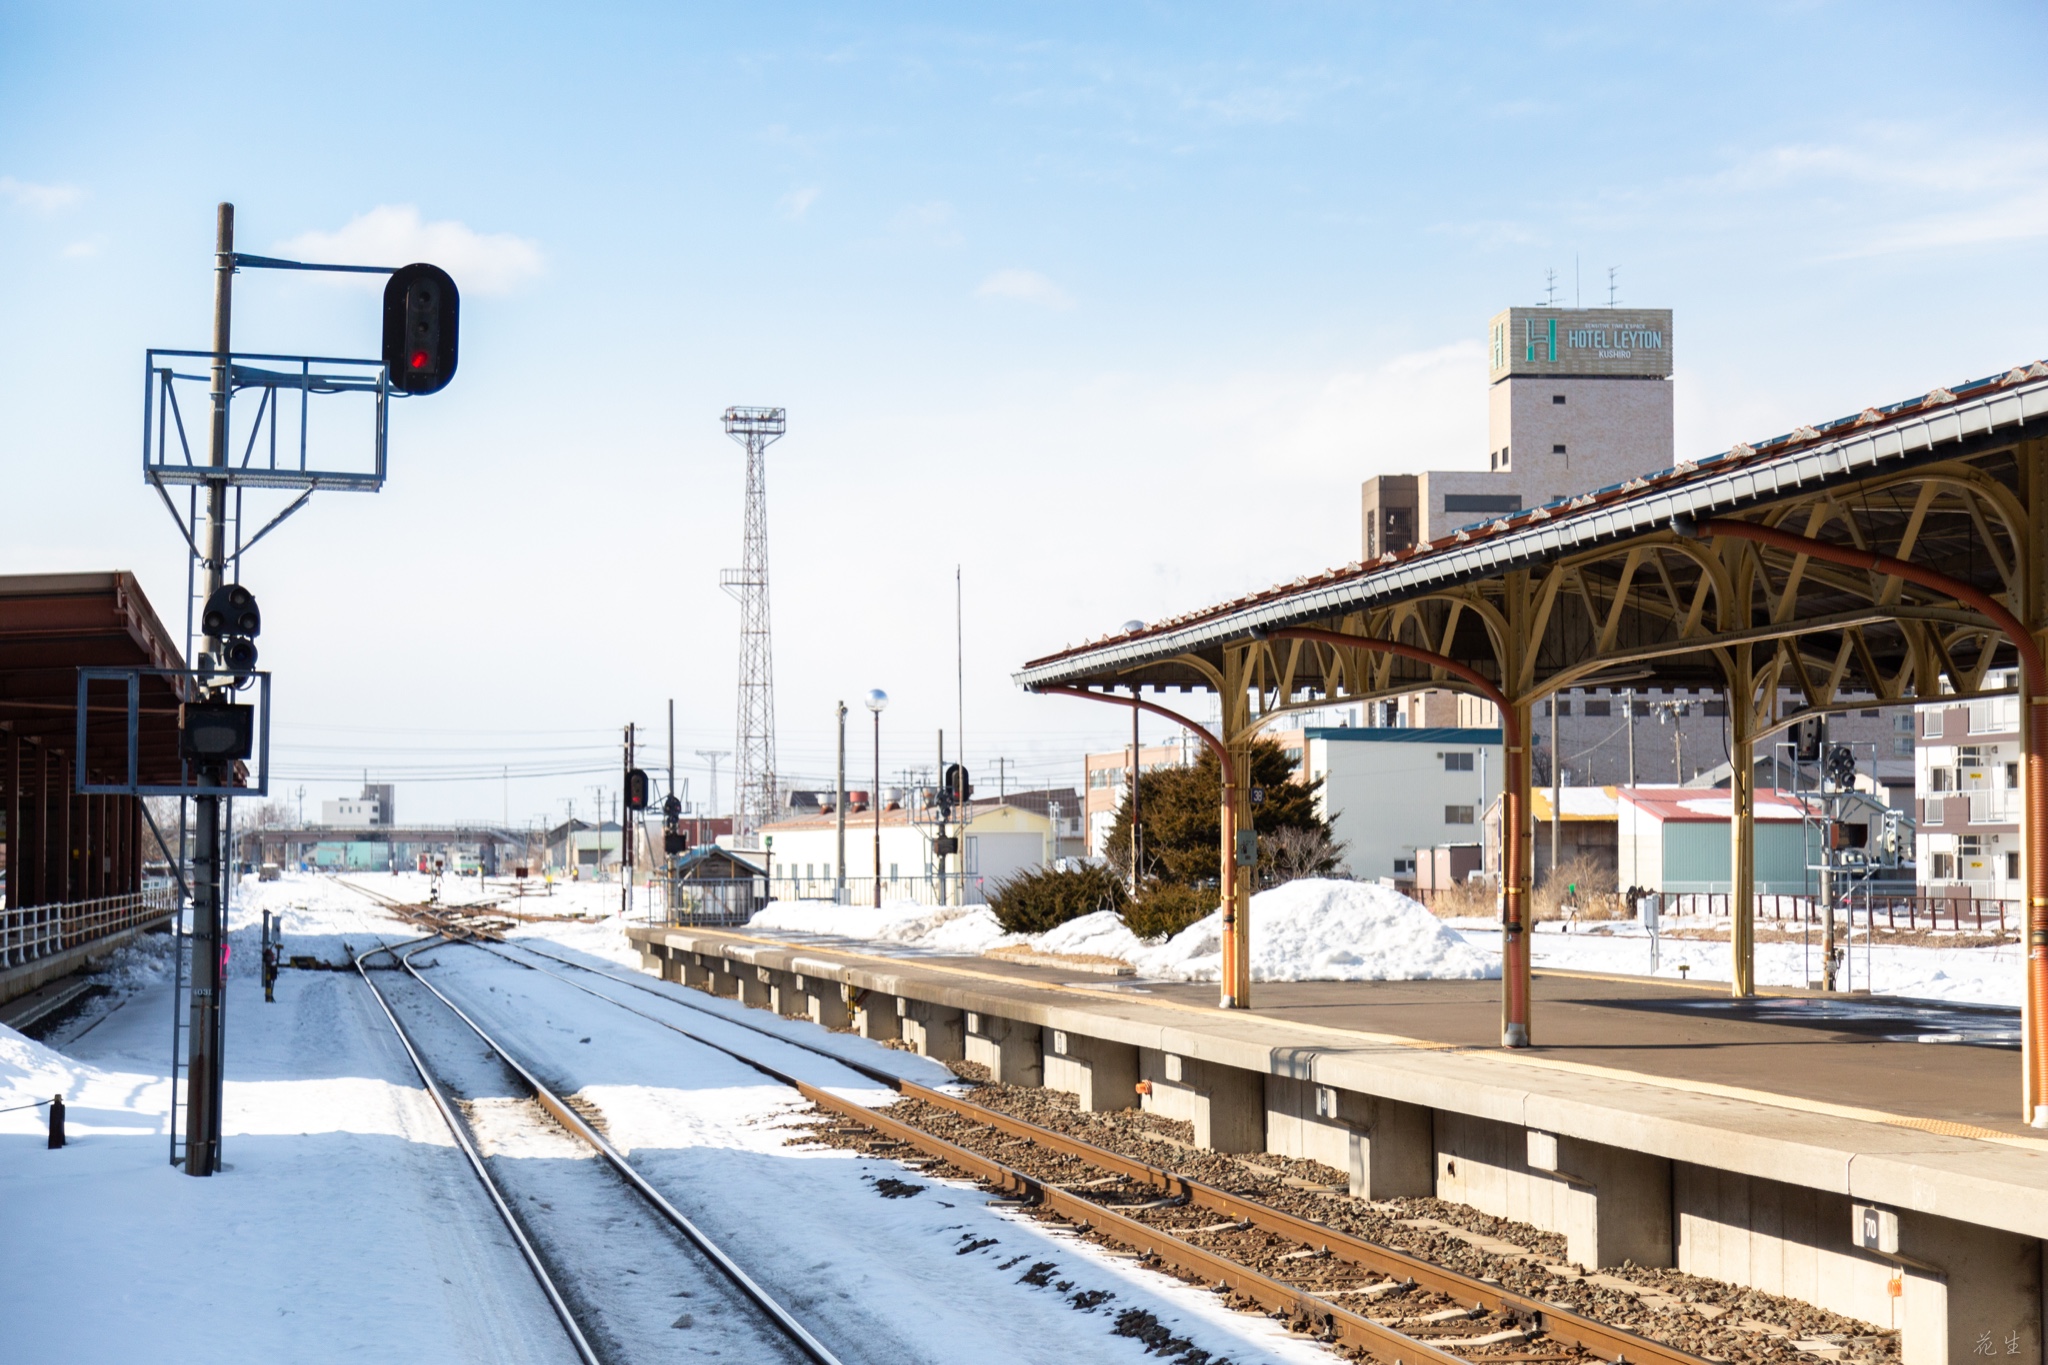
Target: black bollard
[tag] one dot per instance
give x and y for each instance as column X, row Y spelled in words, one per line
column 56, row 1122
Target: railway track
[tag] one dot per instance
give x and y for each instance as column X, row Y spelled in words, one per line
column 1352, row 1292
column 608, row 1318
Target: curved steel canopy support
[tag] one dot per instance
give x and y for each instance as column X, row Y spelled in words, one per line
column 1235, row 943
column 2034, row 693
column 1516, row 830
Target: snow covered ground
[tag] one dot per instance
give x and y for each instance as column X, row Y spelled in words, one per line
column 1315, row 930
column 347, row 1227
column 1310, row 930
column 1977, row 976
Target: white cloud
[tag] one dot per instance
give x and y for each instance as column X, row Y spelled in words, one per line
column 930, row 222
column 84, row 248
column 41, row 198
column 1026, row 285
column 797, row 203
column 393, row 235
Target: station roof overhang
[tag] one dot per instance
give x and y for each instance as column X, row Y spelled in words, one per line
column 51, row 625
column 1606, row 587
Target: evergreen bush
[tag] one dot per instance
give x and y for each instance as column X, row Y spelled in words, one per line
column 1034, row 901
column 1166, row 908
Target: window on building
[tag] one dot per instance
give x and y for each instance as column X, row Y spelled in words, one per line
column 1293, row 756
column 1941, row 779
column 1932, row 729
column 1457, row 815
column 1402, row 865
column 1872, row 715
column 1715, row 706
column 1557, row 398
column 1563, row 708
column 1458, row 763
column 1902, row 746
column 1599, row 706
column 2012, row 866
column 1642, row 708
column 892, row 872
column 2012, row 776
column 1557, row 450
column 1903, row 722
column 1944, row 866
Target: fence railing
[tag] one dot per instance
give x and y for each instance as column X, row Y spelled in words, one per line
column 919, row 890
column 710, row 900
column 1979, row 914
column 37, row 931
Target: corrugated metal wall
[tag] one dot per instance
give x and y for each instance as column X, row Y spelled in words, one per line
column 1696, row 857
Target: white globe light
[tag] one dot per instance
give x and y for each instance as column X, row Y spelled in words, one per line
column 1133, row 627
column 877, row 699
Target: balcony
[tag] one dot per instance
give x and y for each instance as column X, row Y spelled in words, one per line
column 1994, row 807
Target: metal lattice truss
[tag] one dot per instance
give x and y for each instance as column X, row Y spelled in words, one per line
column 754, row 730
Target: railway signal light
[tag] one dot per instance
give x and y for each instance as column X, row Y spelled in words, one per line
column 231, row 610
column 216, row 731
column 956, row 786
column 1807, row 738
column 675, row 842
column 636, row 789
column 422, row 309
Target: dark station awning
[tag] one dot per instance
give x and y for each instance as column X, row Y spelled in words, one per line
column 51, row 625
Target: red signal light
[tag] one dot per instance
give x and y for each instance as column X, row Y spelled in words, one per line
column 420, row 360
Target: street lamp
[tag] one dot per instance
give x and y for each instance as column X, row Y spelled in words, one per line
column 877, row 699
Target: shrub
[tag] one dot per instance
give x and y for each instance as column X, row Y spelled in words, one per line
column 1166, row 908
column 1034, row 901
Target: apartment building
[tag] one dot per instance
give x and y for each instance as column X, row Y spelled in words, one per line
column 1968, row 762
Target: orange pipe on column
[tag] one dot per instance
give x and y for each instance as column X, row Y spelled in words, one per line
column 2034, row 684
column 1514, row 966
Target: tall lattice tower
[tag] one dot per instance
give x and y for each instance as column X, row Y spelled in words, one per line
column 754, row 735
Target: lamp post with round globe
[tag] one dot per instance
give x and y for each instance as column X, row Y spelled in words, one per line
column 877, row 699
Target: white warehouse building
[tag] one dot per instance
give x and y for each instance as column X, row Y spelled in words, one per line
column 1388, row 790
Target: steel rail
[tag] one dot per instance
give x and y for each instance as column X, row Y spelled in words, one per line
column 1562, row 1324
column 813, row 1348
column 1336, row 1322
column 555, row 1299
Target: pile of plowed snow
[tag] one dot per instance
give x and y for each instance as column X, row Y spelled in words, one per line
column 1311, row 930
column 1316, row 930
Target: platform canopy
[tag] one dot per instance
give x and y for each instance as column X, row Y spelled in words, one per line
column 1892, row 555
column 51, row 625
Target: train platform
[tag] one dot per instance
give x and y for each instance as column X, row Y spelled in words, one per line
column 1658, row 1122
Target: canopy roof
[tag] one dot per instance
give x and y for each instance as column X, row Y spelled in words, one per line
column 51, row 625
column 1599, row 588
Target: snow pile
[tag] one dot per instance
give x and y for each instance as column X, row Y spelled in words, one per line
column 29, row 1071
column 1101, row 934
column 1318, row 930
column 1303, row 931
column 936, row 928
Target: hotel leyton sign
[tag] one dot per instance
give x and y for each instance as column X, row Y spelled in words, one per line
column 1632, row 342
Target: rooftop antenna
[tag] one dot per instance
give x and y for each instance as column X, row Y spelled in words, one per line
column 754, row 737
column 1613, row 300
column 1549, row 288
column 1576, row 302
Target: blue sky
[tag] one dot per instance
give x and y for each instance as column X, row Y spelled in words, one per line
column 1114, row 306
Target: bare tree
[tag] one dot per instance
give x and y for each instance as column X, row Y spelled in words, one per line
column 1292, row 852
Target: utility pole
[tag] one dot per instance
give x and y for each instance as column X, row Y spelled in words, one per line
column 203, row 1075
column 626, row 840
column 839, row 811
